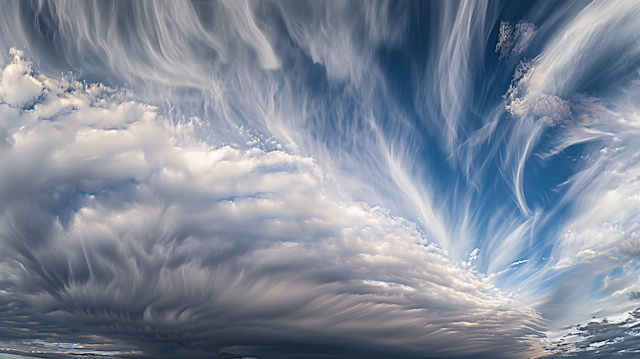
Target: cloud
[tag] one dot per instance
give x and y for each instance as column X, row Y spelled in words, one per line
column 276, row 178
column 447, row 79
column 600, row 338
column 118, row 225
column 598, row 234
column 512, row 40
column 524, row 99
column 17, row 88
column 340, row 36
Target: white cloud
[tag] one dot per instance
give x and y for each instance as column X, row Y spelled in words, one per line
column 17, row 88
column 120, row 222
column 524, row 99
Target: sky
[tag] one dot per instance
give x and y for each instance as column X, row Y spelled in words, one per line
column 319, row 179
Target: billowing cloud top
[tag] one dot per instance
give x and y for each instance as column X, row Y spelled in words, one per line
column 319, row 179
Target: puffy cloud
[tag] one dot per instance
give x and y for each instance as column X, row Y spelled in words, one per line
column 524, row 99
column 513, row 39
column 118, row 226
column 17, row 88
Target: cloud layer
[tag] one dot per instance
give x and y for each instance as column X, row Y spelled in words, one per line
column 298, row 179
column 120, row 222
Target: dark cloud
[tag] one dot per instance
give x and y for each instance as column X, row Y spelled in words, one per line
column 601, row 339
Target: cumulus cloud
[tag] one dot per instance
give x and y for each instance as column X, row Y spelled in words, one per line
column 340, row 35
column 17, row 88
column 118, row 225
column 446, row 81
column 513, row 39
column 524, row 99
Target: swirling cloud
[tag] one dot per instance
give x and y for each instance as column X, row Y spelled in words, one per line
column 117, row 223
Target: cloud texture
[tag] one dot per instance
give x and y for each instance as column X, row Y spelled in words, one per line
column 283, row 179
column 120, row 222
